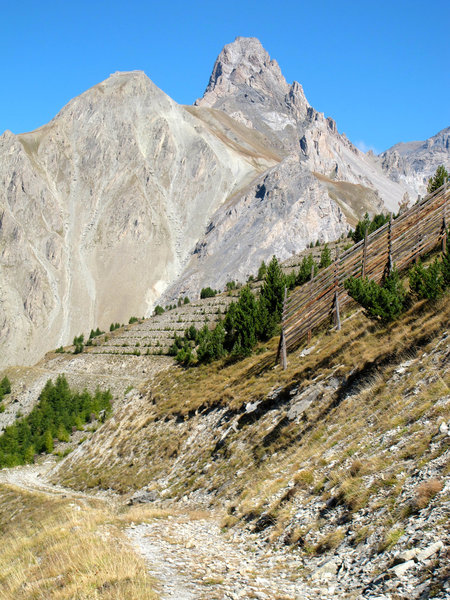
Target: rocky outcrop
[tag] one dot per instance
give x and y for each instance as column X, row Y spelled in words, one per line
column 285, row 209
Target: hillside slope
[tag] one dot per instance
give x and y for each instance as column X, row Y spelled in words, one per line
column 342, row 459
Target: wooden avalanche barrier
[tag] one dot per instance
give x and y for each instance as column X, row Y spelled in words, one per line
column 397, row 243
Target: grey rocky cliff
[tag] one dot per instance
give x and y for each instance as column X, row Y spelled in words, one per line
column 285, row 209
column 100, row 208
column 249, row 86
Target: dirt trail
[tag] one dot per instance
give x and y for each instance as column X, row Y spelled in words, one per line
column 33, row 478
column 190, row 557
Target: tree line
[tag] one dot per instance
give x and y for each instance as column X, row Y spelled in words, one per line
column 59, row 410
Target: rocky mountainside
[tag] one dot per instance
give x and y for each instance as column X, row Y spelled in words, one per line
column 126, row 195
column 322, row 183
column 336, row 468
column 415, row 162
column 100, row 208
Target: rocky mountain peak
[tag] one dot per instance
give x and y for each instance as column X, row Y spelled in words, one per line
column 244, row 62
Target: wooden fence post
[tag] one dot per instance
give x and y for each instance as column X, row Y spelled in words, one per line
column 337, row 316
column 390, row 263
column 282, row 344
column 444, row 219
column 417, row 241
column 312, row 277
column 363, row 274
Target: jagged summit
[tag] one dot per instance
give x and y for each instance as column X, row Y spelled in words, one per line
column 416, row 162
column 249, row 86
column 244, row 62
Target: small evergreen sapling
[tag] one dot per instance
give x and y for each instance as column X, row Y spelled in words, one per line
column 427, row 282
column 382, row 302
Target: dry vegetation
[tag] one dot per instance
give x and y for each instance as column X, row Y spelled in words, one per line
column 269, row 466
column 57, row 548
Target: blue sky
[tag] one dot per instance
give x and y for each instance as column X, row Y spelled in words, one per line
column 380, row 69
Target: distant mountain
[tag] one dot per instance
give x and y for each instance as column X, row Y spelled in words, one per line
column 126, row 199
column 414, row 163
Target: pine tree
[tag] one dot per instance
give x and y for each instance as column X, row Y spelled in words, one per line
column 271, row 300
column 438, row 179
column 325, row 257
column 241, row 323
column 262, row 270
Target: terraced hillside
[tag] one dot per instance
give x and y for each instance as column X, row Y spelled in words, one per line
column 126, row 358
column 154, row 336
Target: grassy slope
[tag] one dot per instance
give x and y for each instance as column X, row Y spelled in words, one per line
column 65, row 549
column 169, row 437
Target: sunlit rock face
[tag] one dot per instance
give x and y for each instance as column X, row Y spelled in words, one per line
column 100, row 209
column 414, row 163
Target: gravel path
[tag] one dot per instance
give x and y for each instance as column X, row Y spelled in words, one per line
column 193, row 559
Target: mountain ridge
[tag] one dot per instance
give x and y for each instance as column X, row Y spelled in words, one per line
column 126, row 198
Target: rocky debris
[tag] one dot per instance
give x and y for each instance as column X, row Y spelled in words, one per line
column 144, row 497
column 192, row 559
column 392, row 546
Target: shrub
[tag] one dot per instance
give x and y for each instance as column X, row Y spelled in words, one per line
column 262, row 270
column 426, row 282
column 231, row 285
column 207, row 292
column 133, row 320
column 368, row 224
column 78, row 343
column 186, row 300
column 5, row 387
column 59, row 350
column 184, row 356
column 382, row 302
column 158, row 310
column 114, row 326
column 426, row 491
column 307, row 266
column 211, row 344
column 95, row 333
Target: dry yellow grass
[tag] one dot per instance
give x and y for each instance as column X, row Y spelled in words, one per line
column 341, row 448
column 58, row 548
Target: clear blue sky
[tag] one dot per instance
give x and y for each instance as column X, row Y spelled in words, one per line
column 380, row 69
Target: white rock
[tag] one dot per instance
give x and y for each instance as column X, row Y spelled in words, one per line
column 444, row 428
column 401, row 569
column 430, row 550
